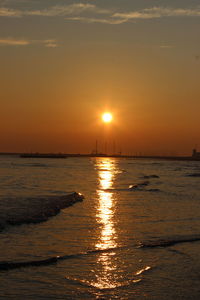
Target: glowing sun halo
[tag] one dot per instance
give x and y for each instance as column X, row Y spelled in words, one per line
column 107, row 117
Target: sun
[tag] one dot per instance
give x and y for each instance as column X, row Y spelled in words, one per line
column 107, row 117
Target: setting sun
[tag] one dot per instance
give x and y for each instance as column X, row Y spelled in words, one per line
column 107, row 117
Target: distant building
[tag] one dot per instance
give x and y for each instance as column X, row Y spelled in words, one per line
column 195, row 154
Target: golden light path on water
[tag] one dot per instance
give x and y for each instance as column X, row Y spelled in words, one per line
column 105, row 216
column 106, row 206
column 108, row 274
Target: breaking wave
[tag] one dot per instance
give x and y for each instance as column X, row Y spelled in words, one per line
column 169, row 241
column 164, row 242
column 5, row 266
column 150, row 176
column 19, row 211
column 141, row 186
column 193, row 175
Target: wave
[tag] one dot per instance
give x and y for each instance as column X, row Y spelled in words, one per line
column 39, row 165
column 153, row 190
column 150, row 176
column 141, row 271
column 135, row 187
column 166, row 242
column 103, row 285
column 193, row 175
column 142, row 187
column 138, row 185
column 169, row 241
column 19, row 211
column 7, row 265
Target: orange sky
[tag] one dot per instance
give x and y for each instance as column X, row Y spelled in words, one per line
column 61, row 67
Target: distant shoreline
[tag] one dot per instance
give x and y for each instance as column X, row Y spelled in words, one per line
column 66, row 155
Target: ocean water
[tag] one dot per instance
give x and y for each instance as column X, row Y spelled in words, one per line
column 136, row 234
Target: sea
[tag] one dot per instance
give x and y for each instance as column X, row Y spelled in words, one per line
column 135, row 235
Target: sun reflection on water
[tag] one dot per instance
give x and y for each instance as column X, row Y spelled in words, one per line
column 105, row 216
column 106, row 205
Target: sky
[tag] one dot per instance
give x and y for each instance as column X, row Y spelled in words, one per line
column 64, row 62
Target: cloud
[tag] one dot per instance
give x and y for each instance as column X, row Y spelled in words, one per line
column 7, row 12
column 90, row 13
column 14, row 42
column 157, row 12
column 54, row 11
column 96, row 20
column 63, row 10
column 50, row 43
column 148, row 13
column 23, row 42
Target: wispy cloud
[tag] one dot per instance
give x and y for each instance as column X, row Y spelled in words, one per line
column 63, row 10
column 7, row 12
column 50, row 43
column 96, row 20
column 14, row 42
column 57, row 10
column 157, row 12
column 91, row 13
column 148, row 13
column 23, row 42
